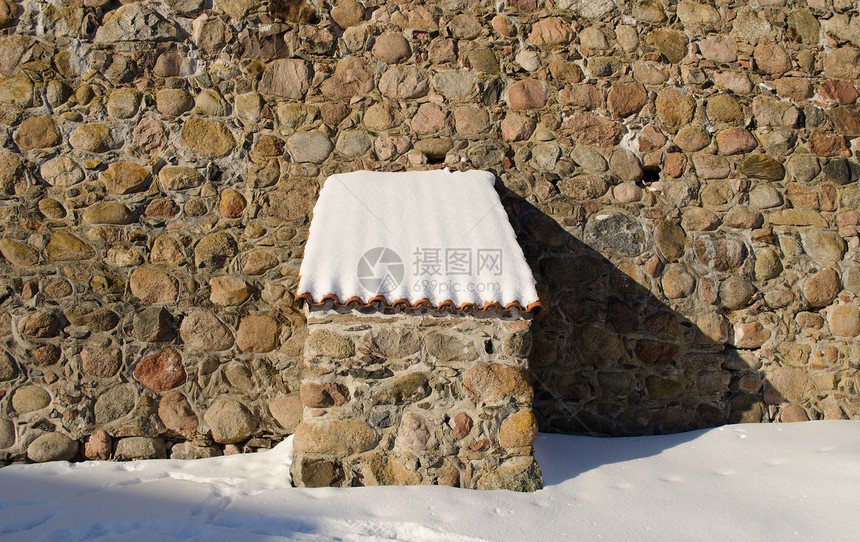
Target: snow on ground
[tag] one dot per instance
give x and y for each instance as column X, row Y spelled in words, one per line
column 745, row 482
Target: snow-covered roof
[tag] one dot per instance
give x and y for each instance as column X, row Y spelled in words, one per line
column 419, row 238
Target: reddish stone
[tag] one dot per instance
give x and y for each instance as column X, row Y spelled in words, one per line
column 176, row 413
column 523, row 5
column 98, row 446
column 47, row 355
column 150, row 135
column 850, row 218
column 231, row 204
column 590, row 128
column 824, row 144
column 516, row 128
column 550, row 32
column 821, row 289
column 581, row 95
column 527, row 94
column 161, row 208
column 736, row 141
column 651, row 138
column 626, row 99
column 841, row 91
column 323, row 395
column 462, row 425
column 653, row 352
column 846, row 120
column 257, row 333
column 503, row 26
column 30, row 289
column 162, row 371
column 674, row 164
column 772, row 59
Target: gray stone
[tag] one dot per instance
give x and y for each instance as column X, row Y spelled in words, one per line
column 136, row 22
column 114, row 404
column 448, row 347
column 189, row 450
column 353, row 143
column 310, row 146
column 230, row 421
column 456, row 86
column 203, row 330
column 151, row 324
column 7, row 433
column 30, row 398
column 394, row 343
column 765, row 196
column 802, row 167
column 615, row 232
column 8, row 367
column 517, row 474
column 132, row 448
column 52, row 447
column 589, row 158
column 736, row 292
column 215, row 250
column 287, row 78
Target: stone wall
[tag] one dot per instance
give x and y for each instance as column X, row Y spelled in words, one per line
column 416, row 397
column 682, row 175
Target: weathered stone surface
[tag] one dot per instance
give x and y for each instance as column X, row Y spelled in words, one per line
column 204, row 331
column 133, row 448
column 822, row 287
column 108, row 213
column 405, row 389
column 210, row 139
column 527, row 94
column 228, row 290
column 334, row 437
column 39, row 324
column 176, row 413
column 404, row 82
column 316, row 395
column 179, row 178
column 671, row 44
column 124, row 178
column 101, row 362
column 720, row 254
column 615, row 233
column 675, row 107
column 736, row 141
column 669, row 239
column 448, row 347
column 18, row 254
column 496, row 382
column 153, row 285
column 162, row 371
column 762, row 166
column 215, row 250
column 136, row 22
column 550, row 32
column 394, row 343
column 257, row 333
column 287, row 411
column 518, row 430
column 591, row 128
column 38, row 133
column 52, row 447
column 825, row 246
column 287, row 78
column 114, row 404
column 327, row 343
column 91, row 137
column 29, row 399
column 311, row 146
column 230, row 421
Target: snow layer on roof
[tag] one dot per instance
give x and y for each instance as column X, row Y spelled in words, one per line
column 432, row 238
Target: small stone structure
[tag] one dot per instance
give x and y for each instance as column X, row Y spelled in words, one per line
column 402, row 397
column 404, row 382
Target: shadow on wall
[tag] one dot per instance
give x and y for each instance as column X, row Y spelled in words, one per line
column 611, row 357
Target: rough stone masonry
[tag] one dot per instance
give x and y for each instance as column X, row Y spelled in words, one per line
column 683, row 177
